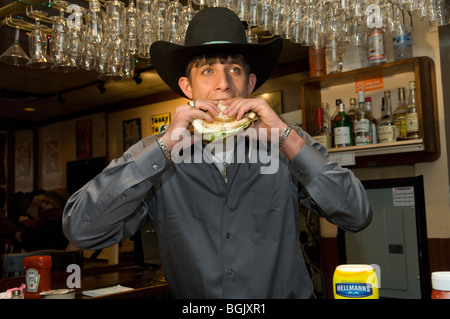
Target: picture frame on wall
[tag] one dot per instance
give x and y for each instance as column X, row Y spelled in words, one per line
column 84, row 138
column 274, row 99
column 131, row 132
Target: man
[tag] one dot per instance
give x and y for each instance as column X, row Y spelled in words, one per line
column 229, row 235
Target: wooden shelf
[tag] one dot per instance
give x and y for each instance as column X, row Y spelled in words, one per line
column 424, row 149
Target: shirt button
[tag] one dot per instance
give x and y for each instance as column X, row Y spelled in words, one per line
column 155, row 167
column 228, row 235
column 123, row 197
column 299, row 172
column 230, row 272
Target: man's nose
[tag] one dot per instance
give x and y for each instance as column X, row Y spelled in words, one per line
column 222, row 81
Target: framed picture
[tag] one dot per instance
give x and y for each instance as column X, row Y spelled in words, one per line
column 84, row 138
column 274, row 99
column 131, row 132
column 159, row 123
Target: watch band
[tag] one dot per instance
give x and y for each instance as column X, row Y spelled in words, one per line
column 284, row 135
column 164, row 148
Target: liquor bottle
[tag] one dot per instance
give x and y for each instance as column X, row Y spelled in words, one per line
column 403, row 47
column 342, row 128
column 316, row 61
column 363, row 123
column 412, row 119
column 375, row 46
column 326, row 118
column 386, row 126
column 374, row 124
column 321, row 135
column 336, row 111
column 400, row 115
column 352, row 114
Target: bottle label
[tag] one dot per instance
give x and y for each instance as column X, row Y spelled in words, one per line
column 354, row 290
column 400, row 122
column 362, row 125
column 342, row 135
column 375, row 46
column 412, row 122
column 386, row 133
column 32, row 278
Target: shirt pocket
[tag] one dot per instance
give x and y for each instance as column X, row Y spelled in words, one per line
column 274, row 212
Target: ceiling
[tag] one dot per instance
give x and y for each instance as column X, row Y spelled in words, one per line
column 55, row 96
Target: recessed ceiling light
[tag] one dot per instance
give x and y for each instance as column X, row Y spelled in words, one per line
column 29, row 109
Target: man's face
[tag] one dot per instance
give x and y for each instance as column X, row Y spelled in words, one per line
column 218, row 81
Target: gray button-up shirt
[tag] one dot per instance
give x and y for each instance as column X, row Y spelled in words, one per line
column 234, row 239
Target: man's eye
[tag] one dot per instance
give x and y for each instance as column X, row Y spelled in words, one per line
column 235, row 70
column 206, row 71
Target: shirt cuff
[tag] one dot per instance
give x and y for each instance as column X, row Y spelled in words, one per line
column 151, row 160
column 307, row 164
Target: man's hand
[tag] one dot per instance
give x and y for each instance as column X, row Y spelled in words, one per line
column 268, row 119
column 183, row 117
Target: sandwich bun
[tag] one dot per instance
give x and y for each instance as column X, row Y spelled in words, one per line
column 223, row 125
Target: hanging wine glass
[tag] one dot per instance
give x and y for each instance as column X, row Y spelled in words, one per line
column 399, row 22
column 94, row 23
column 145, row 30
column 276, row 27
column 114, row 22
column 438, row 12
column 131, row 31
column 75, row 36
column 15, row 55
column 187, row 15
column 128, row 65
column 240, row 7
column 38, row 44
column 159, row 19
column 252, row 13
column 265, row 14
column 88, row 52
column 213, row 3
column 59, row 46
column 357, row 32
column 173, row 22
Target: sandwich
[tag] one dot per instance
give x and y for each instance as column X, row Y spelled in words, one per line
column 223, row 125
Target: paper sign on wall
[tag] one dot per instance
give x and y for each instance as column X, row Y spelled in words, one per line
column 159, row 123
column 369, row 85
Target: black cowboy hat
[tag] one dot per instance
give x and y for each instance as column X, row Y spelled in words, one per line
column 213, row 30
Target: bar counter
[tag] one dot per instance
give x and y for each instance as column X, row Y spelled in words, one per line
column 145, row 281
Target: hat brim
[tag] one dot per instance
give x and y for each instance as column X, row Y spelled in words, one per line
column 170, row 60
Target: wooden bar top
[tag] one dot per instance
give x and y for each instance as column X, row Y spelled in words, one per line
column 145, row 281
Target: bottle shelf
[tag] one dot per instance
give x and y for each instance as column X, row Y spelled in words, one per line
column 418, row 69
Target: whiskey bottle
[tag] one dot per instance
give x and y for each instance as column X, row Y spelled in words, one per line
column 400, row 115
column 342, row 128
column 386, row 126
column 412, row 119
column 363, row 123
column 321, row 135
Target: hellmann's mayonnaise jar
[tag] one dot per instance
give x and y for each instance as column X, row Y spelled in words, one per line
column 353, row 281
